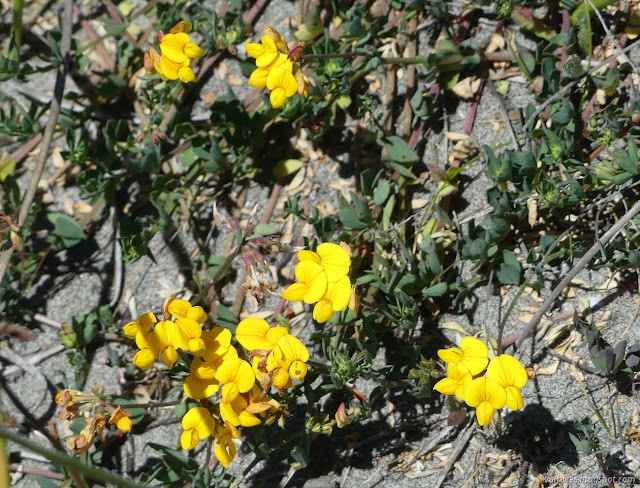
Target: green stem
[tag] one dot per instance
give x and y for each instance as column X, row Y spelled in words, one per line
column 16, row 25
column 69, row 461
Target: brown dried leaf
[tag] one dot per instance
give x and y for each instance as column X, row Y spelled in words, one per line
column 466, row 88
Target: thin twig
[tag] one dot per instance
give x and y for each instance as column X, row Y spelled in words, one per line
column 584, row 260
column 58, row 92
column 455, row 454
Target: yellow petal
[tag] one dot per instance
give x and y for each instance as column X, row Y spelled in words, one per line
column 224, row 452
column 295, row 292
column 169, row 357
column 186, row 74
column 258, row 78
column 189, row 439
column 277, row 97
column 275, row 334
column 190, row 328
column 131, row 330
column 507, row 371
column 485, row 389
column 281, row 378
column 196, row 346
column 446, row 386
column 514, row 398
column 314, row 276
column 334, row 260
column 298, row 370
column 173, row 46
column 198, row 388
column 228, row 413
column 146, row 321
column 254, row 49
column 289, row 349
column 485, row 412
column 322, row 311
column 229, row 392
column 453, row 355
column 179, row 308
column 308, row 256
column 193, row 50
column 252, row 334
column 198, row 314
column 339, row 293
column 475, row 354
column 144, row 359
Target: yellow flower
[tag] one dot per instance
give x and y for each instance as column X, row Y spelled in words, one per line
column 196, row 387
column 472, row 354
column 236, row 375
column 148, row 352
column 254, row 333
column 167, row 337
column 192, row 331
column 336, row 298
column 265, row 53
column 223, row 447
column 333, row 259
column 182, row 309
column 143, row 324
column 282, row 84
column 311, row 286
column 258, row 78
column 279, row 41
column 122, row 419
column 456, row 383
column 179, row 48
column 170, row 70
column 236, row 413
column 510, row 374
column 288, row 360
column 487, row 396
column 198, row 424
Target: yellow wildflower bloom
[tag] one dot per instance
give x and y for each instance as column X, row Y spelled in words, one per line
column 223, row 446
column 182, row 309
column 143, row 324
column 198, row 424
column 148, row 352
column 311, row 286
column 236, row 413
column 254, row 333
column 265, row 53
column 472, row 354
column 282, row 84
column 196, row 387
column 192, row 331
column 122, row 419
column 487, row 396
column 289, row 356
column 167, row 337
column 456, row 382
column 179, row 48
column 510, row 374
column 236, row 375
column 258, row 78
column 279, row 41
column 333, row 259
column 336, row 298
column 169, row 70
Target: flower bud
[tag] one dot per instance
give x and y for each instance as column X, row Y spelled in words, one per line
column 182, row 26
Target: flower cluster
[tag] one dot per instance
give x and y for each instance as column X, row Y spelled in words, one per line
column 277, row 67
column 97, row 413
column 486, row 385
column 176, row 52
column 232, row 390
column 323, row 279
column 181, row 330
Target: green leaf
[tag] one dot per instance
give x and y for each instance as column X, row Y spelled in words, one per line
column 67, row 230
column 624, row 162
column 349, row 218
column 436, row 290
column 381, row 193
column 227, row 319
column 399, row 151
column 510, row 269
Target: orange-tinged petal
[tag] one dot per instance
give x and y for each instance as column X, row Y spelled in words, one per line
column 252, row 334
column 182, row 26
column 507, row 371
column 484, row 412
column 334, row 259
